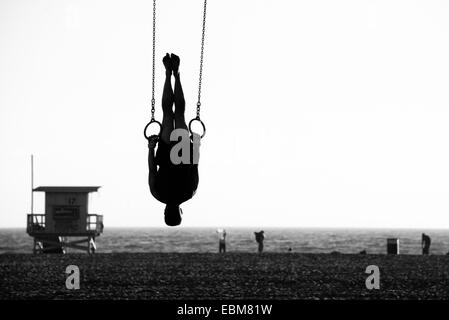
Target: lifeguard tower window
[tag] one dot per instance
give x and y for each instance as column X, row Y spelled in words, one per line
column 66, row 215
column 66, row 212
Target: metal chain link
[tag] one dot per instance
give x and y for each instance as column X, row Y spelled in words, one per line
column 198, row 104
column 154, row 60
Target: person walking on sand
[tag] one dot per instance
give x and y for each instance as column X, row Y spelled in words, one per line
column 172, row 183
column 221, row 240
column 259, row 238
column 425, row 243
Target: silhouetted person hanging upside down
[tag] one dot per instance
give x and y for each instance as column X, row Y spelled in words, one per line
column 425, row 243
column 172, row 183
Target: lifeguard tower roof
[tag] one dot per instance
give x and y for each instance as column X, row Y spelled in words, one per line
column 83, row 189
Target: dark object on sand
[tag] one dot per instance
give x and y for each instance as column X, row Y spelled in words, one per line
column 259, row 238
column 362, row 252
column 425, row 243
column 221, row 240
column 52, row 244
column 392, row 246
column 289, row 249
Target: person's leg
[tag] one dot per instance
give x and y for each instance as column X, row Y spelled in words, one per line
column 167, row 102
column 180, row 104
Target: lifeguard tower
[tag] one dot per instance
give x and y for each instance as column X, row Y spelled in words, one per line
column 66, row 216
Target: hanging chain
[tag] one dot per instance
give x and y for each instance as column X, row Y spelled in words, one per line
column 154, row 54
column 198, row 104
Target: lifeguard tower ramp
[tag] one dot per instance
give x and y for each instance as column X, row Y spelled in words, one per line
column 66, row 217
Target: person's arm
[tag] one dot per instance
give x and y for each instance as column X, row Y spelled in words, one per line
column 196, row 141
column 152, row 168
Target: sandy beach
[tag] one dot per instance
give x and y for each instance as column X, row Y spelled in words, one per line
column 229, row 276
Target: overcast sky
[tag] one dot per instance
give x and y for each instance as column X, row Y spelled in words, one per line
column 319, row 113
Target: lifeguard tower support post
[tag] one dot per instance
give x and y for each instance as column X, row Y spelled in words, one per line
column 66, row 216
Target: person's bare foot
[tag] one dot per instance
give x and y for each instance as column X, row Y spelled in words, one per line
column 175, row 63
column 168, row 63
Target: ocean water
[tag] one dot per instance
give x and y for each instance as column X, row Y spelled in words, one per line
column 242, row 240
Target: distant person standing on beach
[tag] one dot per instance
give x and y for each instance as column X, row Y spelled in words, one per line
column 425, row 243
column 221, row 240
column 259, row 238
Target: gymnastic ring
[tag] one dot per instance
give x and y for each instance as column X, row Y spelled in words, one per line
column 149, row 124
column 202, row 124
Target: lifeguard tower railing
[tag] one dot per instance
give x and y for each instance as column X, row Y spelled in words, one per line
column 36, row 226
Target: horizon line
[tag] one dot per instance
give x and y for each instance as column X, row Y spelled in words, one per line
column 263, row 226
